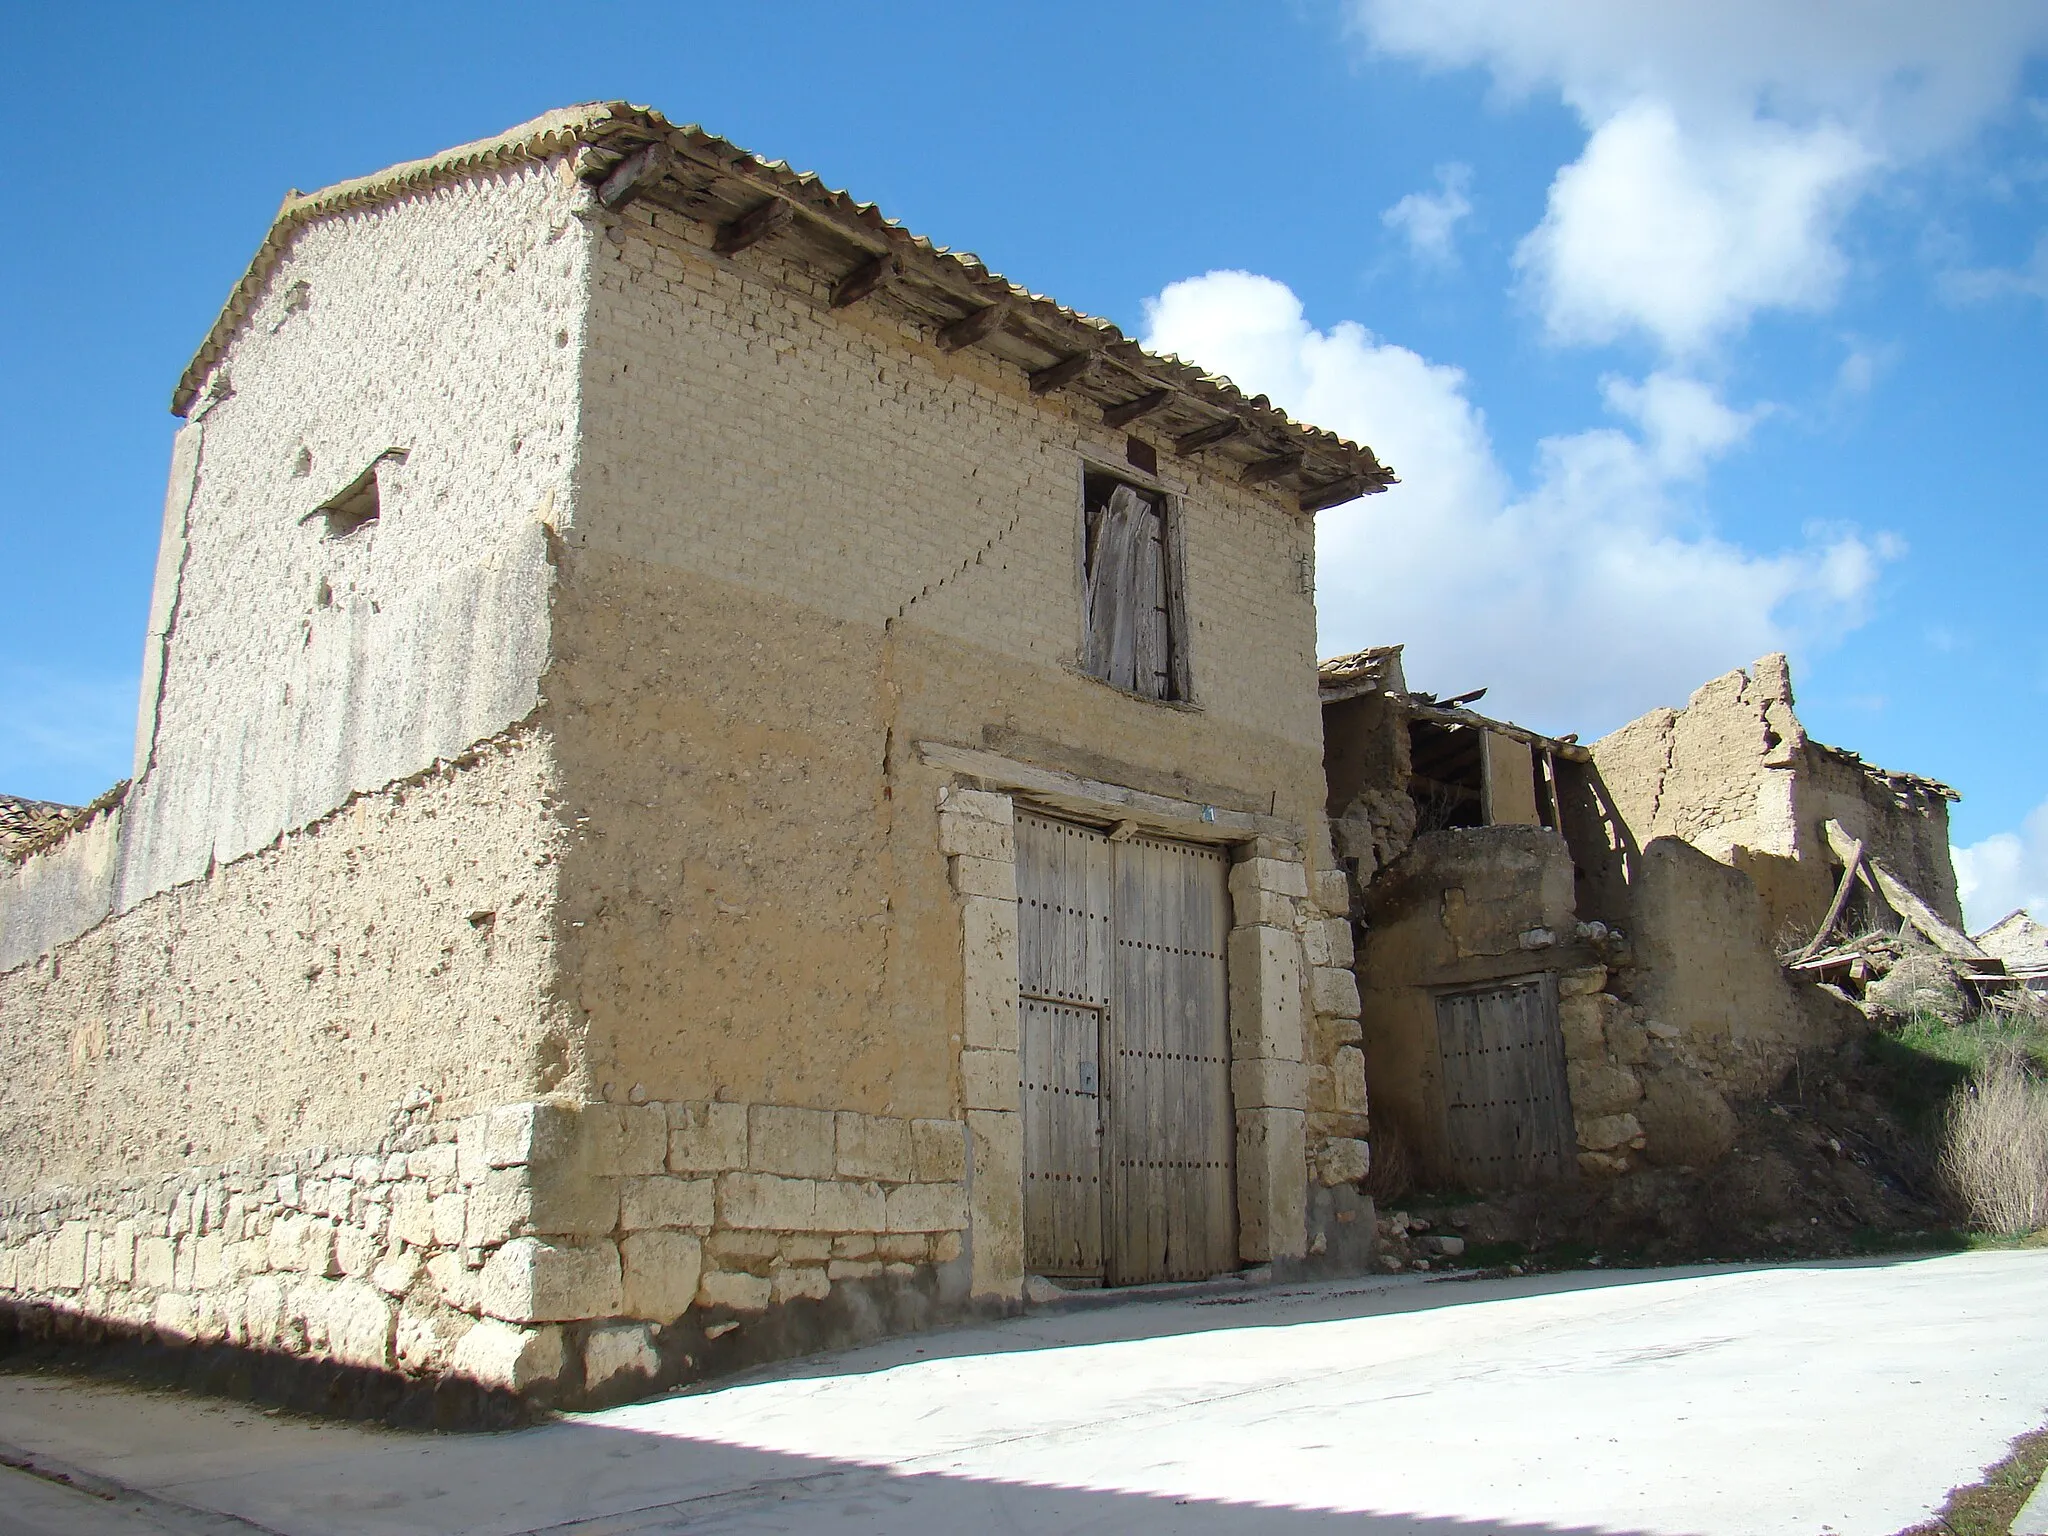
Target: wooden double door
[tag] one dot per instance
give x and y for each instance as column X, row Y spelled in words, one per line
column 1124, row 1052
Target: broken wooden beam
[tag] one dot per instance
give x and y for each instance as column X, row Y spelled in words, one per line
column 634, row 175
column 1270, row 469
column 1062, row 373
column 1852, row 862
column 976, row 327
column 1189, row 443
column 1902, row 900
column 863, row 280
column 1117, row 416
column 1335, row 494
column 753, row 226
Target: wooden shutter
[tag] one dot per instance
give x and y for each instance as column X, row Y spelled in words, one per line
column 1507, row 1107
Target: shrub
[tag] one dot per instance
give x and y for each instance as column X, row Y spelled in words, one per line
column 1994, row 1153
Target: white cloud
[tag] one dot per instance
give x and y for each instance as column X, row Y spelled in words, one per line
column 2005, row 871
column 1580, row 602
column 1685, row 236
column 1728, row 138
column 1429, row 220
column 1969, row 285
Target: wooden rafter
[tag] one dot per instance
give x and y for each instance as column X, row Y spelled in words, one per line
column 753, row 226
column 863, row 280
column 634, row 175
column 969, row 330
column 1064, row 372
column 1335, row 494
column 1189, row 443
column 1275, row 468
column 1120, row 416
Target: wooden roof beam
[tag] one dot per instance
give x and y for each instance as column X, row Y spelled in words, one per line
column 1066, row 371
column 863, row 280
column 1191, row 443
column 1119, row 416
column 1274, row 468
column 976, row 327
column 634, row 175
column 752, row 227
column 1322, row 497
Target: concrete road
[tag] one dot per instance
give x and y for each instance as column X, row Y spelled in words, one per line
column 1822, row 1400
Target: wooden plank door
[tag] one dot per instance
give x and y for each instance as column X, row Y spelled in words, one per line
column 1507, row 1106
column 1170, row 1133
column 1064, row 943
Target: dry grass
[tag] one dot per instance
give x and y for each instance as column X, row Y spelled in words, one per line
column 1392, row 1171
column 1994, row 1153
column 1989, row 1507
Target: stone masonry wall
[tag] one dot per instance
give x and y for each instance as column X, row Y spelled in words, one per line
column 573, row 1251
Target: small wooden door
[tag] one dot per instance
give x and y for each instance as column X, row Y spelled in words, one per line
column 1124, row 1053
column 1507, row 1107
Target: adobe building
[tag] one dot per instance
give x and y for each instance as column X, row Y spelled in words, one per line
column 1574, row 958
column 711, row 778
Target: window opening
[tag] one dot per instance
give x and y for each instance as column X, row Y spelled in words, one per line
column 1447, row 775
column 355, row 508
column 1128, row 598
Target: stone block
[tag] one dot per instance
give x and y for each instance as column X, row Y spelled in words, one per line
column 738, row 1248
column 360, row 1320
column 434, row 1165
column 762, row 1200
column 805, row 1247
column 356, row 1251
column 156, row 1259
column 1583, row 1020
column 662, row 1201
column 1605, row 1133
column 800, row 1283
column 984, row 877
column 412, row 1215
column 1265, row 909
column 117, row 1257
column 1264, row 966
column 989, row 949
column 938, row 1151
column 734, row 1292
column 1265, row 1083
column 975, row 838
column 1272, row 1176
column 625, row 1138
column 65, row 1269
column 1348, row 1068
column 1600, row 1088
column 1581, row 983
column 305, row 1244
column 426, row 1336
column 517, row 1359
column 661, row 1270
column 450, row 1217
column 470, row 1134
column 1337, row 933
column 619, row 1350
column 1332, row 889
column 1283, row 877
column 798, row 1142
column 927, row 1208
column 1334, row 991
column 707, row 1137
column 455, row 1282
column 874, row 1147
column 519, row 1135
column 989, row 1080
column 980, row 804
column 852, row 1269
column 531, row 1281
column 996, row 1205
column 1627, row 1040
column 395, row 1274
column 849, row 1207
column 1604, row 1165
column 1342, row 1160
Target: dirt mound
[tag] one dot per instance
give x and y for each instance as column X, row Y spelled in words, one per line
column 1832, row 1163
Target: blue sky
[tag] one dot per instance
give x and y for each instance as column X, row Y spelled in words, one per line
column 1696, row 330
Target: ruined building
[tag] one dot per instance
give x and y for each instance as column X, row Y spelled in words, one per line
column 711, row 777
column 1573, row 958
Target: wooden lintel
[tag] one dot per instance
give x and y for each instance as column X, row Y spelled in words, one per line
column 634, row 175
column 1123, row 415
column 1062, row 373
column 1335, row 494
column 1207, row 437
column 1270, row 469
column 970, row 330
column 863, row 280
column 1112, row 803
column 753, row 226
